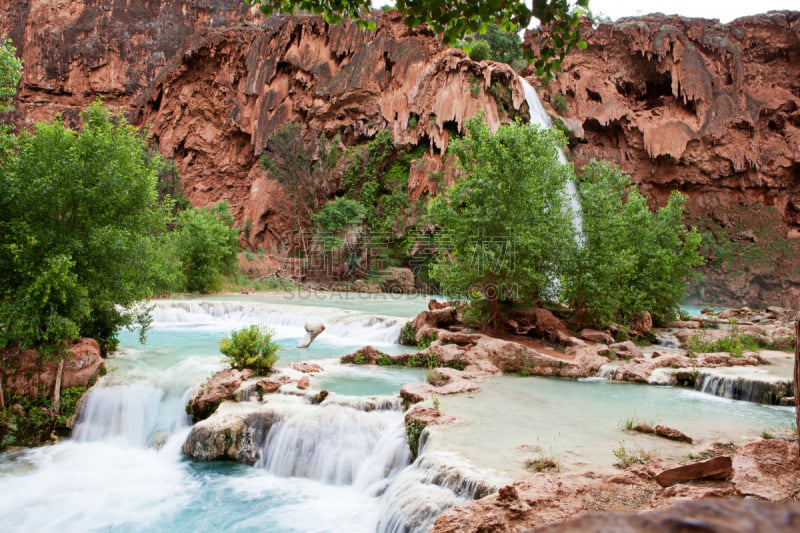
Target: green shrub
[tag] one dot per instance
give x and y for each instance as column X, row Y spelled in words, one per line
column 480, row 51
column 559, row 102
column 408, row 334
column 426, row 340
column 251, row 348
column 207, row 244
column 626, row 458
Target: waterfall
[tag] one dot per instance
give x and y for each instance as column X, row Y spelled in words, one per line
column 337, row 445
column 749, row 389
column 540, row 118
column 340, row 324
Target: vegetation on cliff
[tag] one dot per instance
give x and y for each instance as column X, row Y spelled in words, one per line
column 454, row 19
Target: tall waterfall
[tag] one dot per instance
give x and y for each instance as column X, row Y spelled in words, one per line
column 540, row 118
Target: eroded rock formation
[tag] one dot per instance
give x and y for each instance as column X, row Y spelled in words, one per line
column 213, row 81
column 711, row 110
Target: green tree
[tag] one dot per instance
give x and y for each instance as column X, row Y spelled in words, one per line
column 632, row 258
column 252, row 348
column 78, row 214
column 207, row 244
column 506, row 46
column 480, row 51
column 506, row 225
column 335, row 218
column 10, row 73
column 455, row 19
column 302, row 169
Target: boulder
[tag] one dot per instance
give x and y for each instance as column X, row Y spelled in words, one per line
column 641, row 324
column 540, row 323
column 593, row 335
column 313, row 329
column 439, row 318
column 216, row 389
column 34, row 374
column 368, row 355
column 714, row 468
column 626, row 349
column 306, row 368
column 303, row 383
column 269, row 385
column 398, row 280
column 672, row 434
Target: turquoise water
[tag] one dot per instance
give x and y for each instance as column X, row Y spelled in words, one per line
column 123, row 469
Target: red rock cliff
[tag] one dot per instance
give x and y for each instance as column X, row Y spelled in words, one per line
column 213, row 81
column 711, row 110
column 687, row 104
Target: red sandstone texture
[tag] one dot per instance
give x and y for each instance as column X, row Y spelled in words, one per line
column 766, row 469
column 708, row 109
column 711, row 110
column 30, row 374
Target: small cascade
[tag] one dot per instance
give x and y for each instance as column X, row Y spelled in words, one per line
column 608, row 370
column 337, row 445
column 749, row 389
column 136, row 414
column 339, row 323
column 540, row 118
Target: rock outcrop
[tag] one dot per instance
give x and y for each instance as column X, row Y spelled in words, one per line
column 766, row 469
column 708, row 515
column 711, row 110
column 213, row 80
column 30, row 374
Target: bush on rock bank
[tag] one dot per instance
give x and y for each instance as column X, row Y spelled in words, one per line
column 508, row 236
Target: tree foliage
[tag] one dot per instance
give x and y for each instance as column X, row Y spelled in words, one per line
column 455, row 19
column 207, row 245
column 506, row 223
column 10, row 73
column 632, row 258
column 78, row 216
column 507, row 234
column 252, row 348
column 301, row 168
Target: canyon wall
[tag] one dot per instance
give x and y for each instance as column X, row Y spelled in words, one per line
column 713, row 111
column 693, row 105
column 213, row 80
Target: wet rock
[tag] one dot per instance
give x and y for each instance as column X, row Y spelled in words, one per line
column 714, row 468
column 599, row 337
column 439, row 318
column 428, row 416
column 626, row 349
column 313, row 330
column 216, row 389
column 303, row 383
column 418, row 392
column 435, row 305
column 672, row 434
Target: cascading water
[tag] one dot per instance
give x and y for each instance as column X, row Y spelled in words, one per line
column 540, row 118
column 323, row 467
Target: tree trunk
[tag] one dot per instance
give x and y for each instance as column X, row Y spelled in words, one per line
column 2, row 399
column 57, row 391
column 797, row 377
